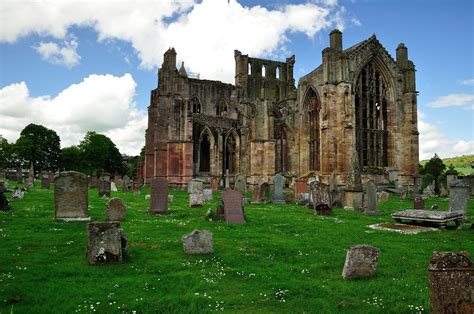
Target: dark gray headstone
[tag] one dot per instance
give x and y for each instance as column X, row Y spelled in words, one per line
column 207, row 193
column 104, row 185
column 371, row 194
column 106, row 243
column 195, row 186
column 451, row 282
column 233, row 210
column 459, row 196
column 71, row 196
column 159, row 196
column 19, row 176
column 45, row 182
column 361, row 261
column 240, row 184
column 279, row 182
column 115, row 209
column 198, row 242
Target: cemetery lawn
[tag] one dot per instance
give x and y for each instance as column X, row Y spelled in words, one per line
column 285, row 259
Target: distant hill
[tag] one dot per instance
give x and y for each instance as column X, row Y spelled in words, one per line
column 461, row 163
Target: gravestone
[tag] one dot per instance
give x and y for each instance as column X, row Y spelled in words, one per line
column 3, row 202
column 71, row 196
column 279, row 182
column 113, row 187
column 321, row 198
column 125, row 186
column 418, row 202
column 361, row 261
column 256, row 194
column 207, row 193
column 451, row 282
column 393, row 175
column 353, row 193
column 45, row 181
column 459, row 196
column 233, row 210
column 30, row 181
column 104, row 185
column 301, row 186
column 18, row 194
column 198, row 242
column 195, row 190
column 118, row 181
column 382, row 196
column 214, row 184
column 196, row 200
column 106, row 243
column 240, row 184
column 303, row 199
column 18, row 176
column 371, row 194
column 337, row 194
column 264, row 192
column 430, row 189
column 115, row 209
column 159, row 196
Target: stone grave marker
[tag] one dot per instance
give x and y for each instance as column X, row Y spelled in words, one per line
column 361, row 261
column 207, row 193
column 303, row 198
column 196, row 200
column 125, row 188
column 214, row 184
column 18, row 194
column 301, row 186
column 159, row 196
column 115, row 209
column 233, row 210
column 256, row 194
column 418, row 202
column 353, row 193
column 371, row 193
column 71, row 196
column 196, row 196
column 106, row 243
column 104, row 185
column 113, row 187
column 30, row 181
column 451, row 282
column 321, row 198
column 279, row 182
column 198, row 242
column 264, row 192
column 240, row 184
column 45, row 181
column 19, row 176
column 459, row 196
column 382, row 196
column 430, row 189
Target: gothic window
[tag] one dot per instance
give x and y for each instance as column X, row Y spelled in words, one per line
column 263, row 70
column 196, row 105
column 204, row 154
column 281, row 149
column 314, row 106
column 221, row 108
column 371, row 117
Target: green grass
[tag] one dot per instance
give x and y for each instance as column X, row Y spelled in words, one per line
column 281, row 248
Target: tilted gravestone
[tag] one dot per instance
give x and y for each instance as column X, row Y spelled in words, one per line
column 115, row 209
column 106, row 243
column 361, row 261
column 104, row 185
column 198, row 242
column 233, row 210
column 371, row 194
column 240, row 184
column 278, row 182
column 451, row 282
column 159, row 196
column 418, row 202
column 71, row 196
column 459, row 196
column 321, row 198
column 264, row 192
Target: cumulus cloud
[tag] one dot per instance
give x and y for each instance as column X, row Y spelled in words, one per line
column 205, row 33
column 433, row 141
column 101, row 103
column 452, row 100
column 468, row 82
column 53, row 53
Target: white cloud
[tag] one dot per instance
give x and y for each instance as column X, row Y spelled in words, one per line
column 204, row 34
column 468, row 82
column 433, row 141
column 101, row 103
column 65, row 55
column 452, row 100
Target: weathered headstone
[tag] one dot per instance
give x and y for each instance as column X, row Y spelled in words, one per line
column 18, row 194
column 195, row 190
column 45, row 182
column 382, row 196
column 337, row 194
column 361, row 261
column 3, row 202
column 279, row 182
column 353, row 193
column 264, row 192
column 196, row 199
column 207, row 193
column 459, row 196
column 113, row 187
column 321, row 198
column 19, row 176
column 159, row 196
column 256, row 194
column 301, row 186
column 71, row 196
column 214, row 183
column 233, row 210
column 418, row 202
column 240, row 184
column 451, row 282
column 430, row 189
column 115, row 209
column 30, row 181
column 393, row 175
column 104, row 185
column 198, row 242
column 371, row 194
column 106, row 243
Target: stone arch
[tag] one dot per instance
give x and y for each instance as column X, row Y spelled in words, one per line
column 283, row 143
column 206, row 151
column 195, row 105
column 311, row 143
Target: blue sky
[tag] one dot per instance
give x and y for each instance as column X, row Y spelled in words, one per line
column 75, row 66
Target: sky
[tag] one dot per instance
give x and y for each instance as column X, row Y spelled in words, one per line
column 78, row 66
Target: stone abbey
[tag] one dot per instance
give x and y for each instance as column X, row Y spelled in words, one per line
column 358, row 102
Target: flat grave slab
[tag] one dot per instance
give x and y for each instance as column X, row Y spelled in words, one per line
column 402, row 228
column 439, row 218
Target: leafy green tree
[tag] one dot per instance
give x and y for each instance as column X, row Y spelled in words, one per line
column 98, row 152
column 435, row 167
column 6, row 151
column 40, row 146
column 451, row 170
column 71, row 159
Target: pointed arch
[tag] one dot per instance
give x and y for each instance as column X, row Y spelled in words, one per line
column 283, row 137
column 231, row 151
column 195, row 105
column 312, row 105
column 222, row 107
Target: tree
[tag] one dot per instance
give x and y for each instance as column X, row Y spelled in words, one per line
column 451, row 170
column 98, row 152
column 71, row 159
column 6, row 151
column 40, row 146
column 435, row 167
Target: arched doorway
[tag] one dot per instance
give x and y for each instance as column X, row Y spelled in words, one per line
column 371, row 117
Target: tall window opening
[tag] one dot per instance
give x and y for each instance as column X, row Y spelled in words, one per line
column 204, row 156
column 263, row 71
column 278, row 72
column 249, row 69
column 314, row 107
column 196, row 105
column 281, row 150
column 230, row 162
column 371, row 117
